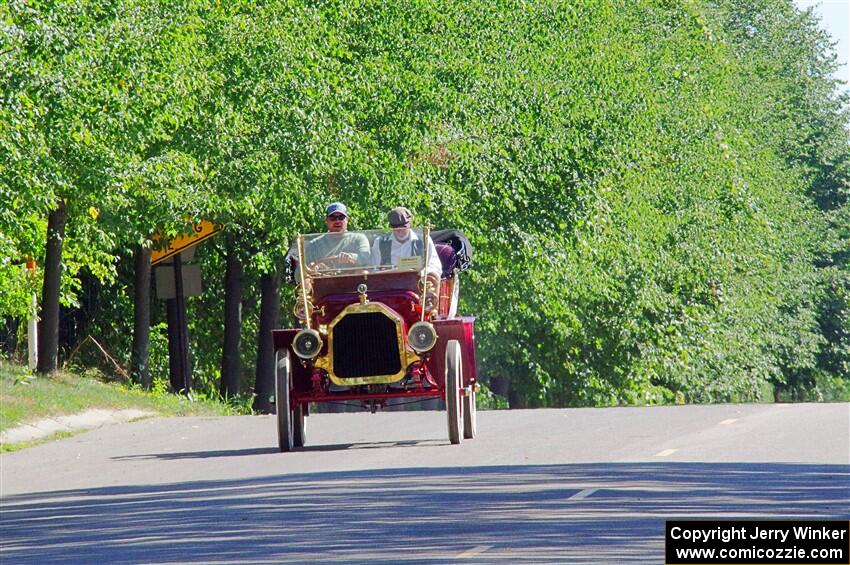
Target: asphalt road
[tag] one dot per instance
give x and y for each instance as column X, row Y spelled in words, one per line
column 536, row 486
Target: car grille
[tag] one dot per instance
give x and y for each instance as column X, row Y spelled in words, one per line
column 365, row 345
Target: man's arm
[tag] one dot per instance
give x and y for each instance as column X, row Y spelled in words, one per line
column 362, row 250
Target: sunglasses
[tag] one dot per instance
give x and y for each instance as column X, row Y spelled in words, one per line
column 336, row 217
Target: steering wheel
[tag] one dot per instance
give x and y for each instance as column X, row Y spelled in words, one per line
column 334, row 265
column 329, row 262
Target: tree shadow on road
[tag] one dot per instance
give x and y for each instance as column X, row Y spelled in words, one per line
column 499, row 514
column 273, row 450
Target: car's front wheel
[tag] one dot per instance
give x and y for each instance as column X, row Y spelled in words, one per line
column 299, row 425
column 454, row 378
column 285, row 431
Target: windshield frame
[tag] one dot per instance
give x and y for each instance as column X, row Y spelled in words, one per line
column 328, row 253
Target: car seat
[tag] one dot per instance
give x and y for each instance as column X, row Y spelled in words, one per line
column 448, row 258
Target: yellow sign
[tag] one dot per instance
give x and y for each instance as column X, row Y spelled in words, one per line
column 201, row 231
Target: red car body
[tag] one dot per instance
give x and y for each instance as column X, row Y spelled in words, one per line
column 356, row 344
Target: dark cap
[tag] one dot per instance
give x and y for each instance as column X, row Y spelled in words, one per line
column 337, row 208
column 400, row 217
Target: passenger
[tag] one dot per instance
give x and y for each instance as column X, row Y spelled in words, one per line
column 388, row 249
column 338, row 247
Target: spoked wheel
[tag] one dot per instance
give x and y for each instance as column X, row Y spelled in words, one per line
column 470, row 424
column 454, row 377
column 285, row 428
column 299, row 425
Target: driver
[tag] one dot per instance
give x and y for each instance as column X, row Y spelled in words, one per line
column 338, row 247
column 387, row 249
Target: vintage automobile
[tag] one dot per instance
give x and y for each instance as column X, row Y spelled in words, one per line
column 375, row 331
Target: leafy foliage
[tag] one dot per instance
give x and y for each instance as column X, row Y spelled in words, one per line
column 657, row 192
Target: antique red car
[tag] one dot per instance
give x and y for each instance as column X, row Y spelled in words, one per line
column 375, row 329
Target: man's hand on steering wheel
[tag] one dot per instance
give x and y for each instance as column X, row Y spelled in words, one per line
column 346, row 258
column 334, row 261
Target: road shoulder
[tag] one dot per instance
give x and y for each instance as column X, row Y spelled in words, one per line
column 88, row 420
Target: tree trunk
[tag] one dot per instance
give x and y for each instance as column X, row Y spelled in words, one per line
column 269, row 312
column 231, row 366
column 48, row 331
column 140, row 362
column 179, row 364
column 516, row 399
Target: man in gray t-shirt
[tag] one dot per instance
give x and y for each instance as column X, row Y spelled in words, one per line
column 338, row 247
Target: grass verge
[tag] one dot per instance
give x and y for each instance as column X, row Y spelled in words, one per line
column 27, row 398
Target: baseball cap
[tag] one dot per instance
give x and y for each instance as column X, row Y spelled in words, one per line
column 337, row 208
column 400, row 217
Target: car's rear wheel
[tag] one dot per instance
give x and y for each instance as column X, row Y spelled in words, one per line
column 285, row 435
column 470, row 416
column 454, row 377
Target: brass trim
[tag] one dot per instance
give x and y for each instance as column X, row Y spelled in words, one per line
column 304, row 295
column 299, row 313
column 301, row 255
column 298, row 310
column 426, row 235
column 406, row 354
